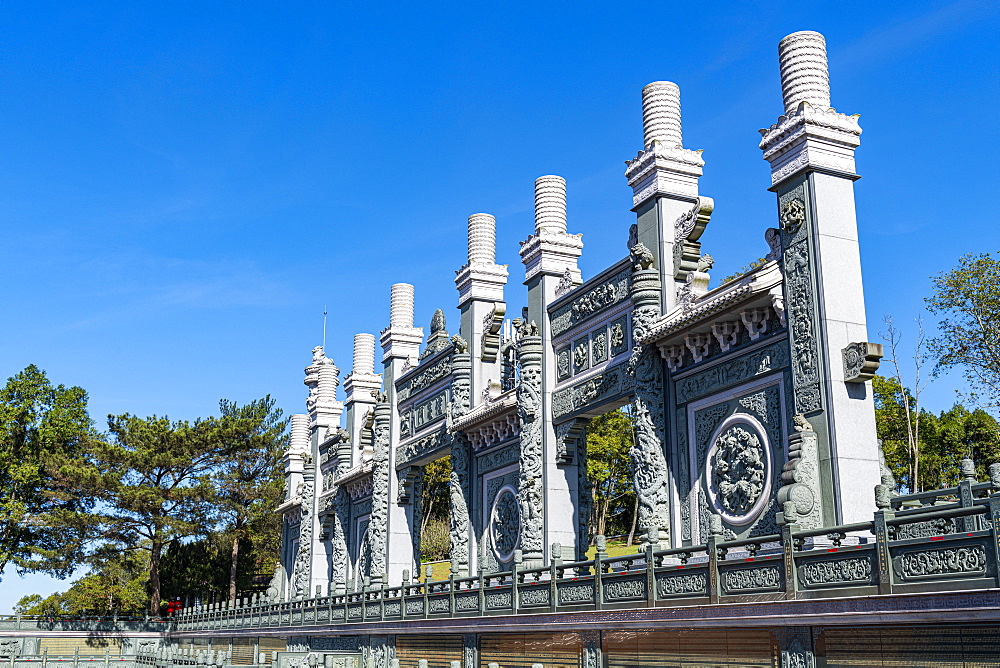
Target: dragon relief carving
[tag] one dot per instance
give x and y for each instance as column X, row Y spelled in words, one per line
column 529, row 409
column 376, row 539
column 458, row 490
column 304, row 556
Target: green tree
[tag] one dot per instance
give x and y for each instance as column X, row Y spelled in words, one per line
column 968, row 297
column 156, row 486
column 250, row 481
column 45, row 431
column 902, row 430
column 609, row 438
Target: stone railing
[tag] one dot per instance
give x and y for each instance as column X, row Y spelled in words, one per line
column 935, row 541
column 108, row 624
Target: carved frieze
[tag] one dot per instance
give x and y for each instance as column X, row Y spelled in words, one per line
column 756, row 363
column 578, row 593
column 505, row 524
column 625, row 589
column 498, row 600
column 964, row 560
column 599, row 346
column 407, row 452
column 613, row 382
column 563, row 369
column 424, row 378
column 618, row 336
column 430, row 410
column 680, row 585
column 738, row 469
column 533, row 596
column 591, row 302
column 739, row 580
column 835, row 572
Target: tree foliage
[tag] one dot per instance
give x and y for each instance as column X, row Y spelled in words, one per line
column 250, row 480
column 609, row 438
column 968, row 297
column 44, row 432
column 945, row 439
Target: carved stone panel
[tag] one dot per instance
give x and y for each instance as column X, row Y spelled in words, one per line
column 835, row 572
column 563, row 363
column 751, row 580
column 739, row 470
column 624, row 589
column 959, row 561
column 685, row 584
column 599, row 346
column 618, row 336
column 581, row 354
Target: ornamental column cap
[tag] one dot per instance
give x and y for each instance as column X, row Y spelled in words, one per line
column 401, row 306
column 661, row 113
column 805, row 75
column 482, row 239
column 550, row 204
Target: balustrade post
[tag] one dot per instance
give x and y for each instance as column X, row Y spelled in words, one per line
column 600, row 554
column 712, row 546
column 881, row 531
column 968, row 468
column 515, row 569
column 995, row 521
column 555, row 561
column 650, row 577
column 451, row 592
column 788, row 555
column 482, row 585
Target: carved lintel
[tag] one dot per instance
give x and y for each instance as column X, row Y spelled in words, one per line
column 491, row 331
column 861, row 361
column 407, row 478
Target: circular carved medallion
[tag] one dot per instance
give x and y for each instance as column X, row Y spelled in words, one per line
column 505, row 524
column 738, row 471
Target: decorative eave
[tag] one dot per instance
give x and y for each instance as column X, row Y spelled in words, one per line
column 486, row 414
column 355, row 480
column 294, row 502
column 757, row 289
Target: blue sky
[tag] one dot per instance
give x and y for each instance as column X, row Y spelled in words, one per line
column 186, row 184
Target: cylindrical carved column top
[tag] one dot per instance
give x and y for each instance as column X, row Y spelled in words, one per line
column 364, row 354
column 804, row 73
column 482, row 239
column 299, row 440
column 401, row 311
column 661, row 113
column 550, row 204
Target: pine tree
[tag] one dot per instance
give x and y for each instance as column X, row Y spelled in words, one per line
column 45, row 432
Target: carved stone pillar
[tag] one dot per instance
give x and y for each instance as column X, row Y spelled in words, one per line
column 459, row 485
column 470, row 650
column 649, row 465
column 380, row 492
column 303, row 558
column 339, row 557
column 529, row 410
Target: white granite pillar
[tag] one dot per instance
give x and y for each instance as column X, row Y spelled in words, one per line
column 480, row 286
column 400, row 346
column 811, row 152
